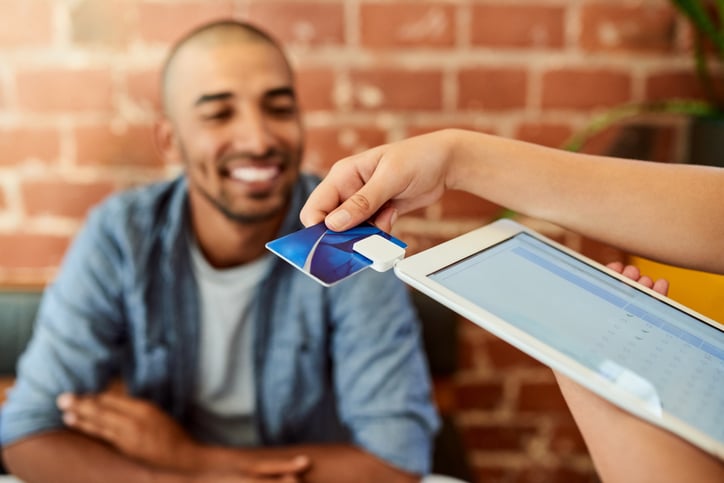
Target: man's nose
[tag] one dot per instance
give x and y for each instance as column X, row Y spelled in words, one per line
column 251, row 132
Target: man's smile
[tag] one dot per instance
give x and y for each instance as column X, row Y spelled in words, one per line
column 254, row 174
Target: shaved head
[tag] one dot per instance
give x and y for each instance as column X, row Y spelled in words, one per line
column 223, row 32
column 231, row 117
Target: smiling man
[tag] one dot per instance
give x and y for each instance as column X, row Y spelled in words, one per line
column 237, row 367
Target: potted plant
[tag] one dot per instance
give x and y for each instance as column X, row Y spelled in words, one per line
column 706, row 133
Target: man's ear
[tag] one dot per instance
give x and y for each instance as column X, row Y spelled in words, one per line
column 166, row 142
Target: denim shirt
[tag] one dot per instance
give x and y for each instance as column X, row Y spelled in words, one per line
column 341, row 364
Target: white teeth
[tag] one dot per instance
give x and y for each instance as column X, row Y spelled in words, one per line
column 253, row 174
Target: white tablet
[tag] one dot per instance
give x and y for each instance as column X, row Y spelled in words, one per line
column 632, row 346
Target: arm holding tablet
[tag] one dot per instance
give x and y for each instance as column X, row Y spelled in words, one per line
column 672, row 213
column 625, row 448
column 602, row 425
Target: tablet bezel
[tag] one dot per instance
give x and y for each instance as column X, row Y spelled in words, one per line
column 415, row 271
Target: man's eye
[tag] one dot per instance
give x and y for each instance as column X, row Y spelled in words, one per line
column 284, row 110
column 218, row 115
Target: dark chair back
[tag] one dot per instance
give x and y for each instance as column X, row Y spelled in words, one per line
column 17, row 317
column 440, row 338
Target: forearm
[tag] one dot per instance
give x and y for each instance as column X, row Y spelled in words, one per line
column 621, row 202
column 626, row 448
column 65, row 456
column 329, row 463
column 348, row 464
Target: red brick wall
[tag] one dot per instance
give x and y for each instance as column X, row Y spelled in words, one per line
column 78, row 95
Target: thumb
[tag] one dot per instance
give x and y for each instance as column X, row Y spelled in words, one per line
column 353, row 211
column 363, row 204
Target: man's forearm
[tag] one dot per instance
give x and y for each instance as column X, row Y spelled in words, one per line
column 142, row 432
column 65, row 456
column 151, row 437
column 329, row 463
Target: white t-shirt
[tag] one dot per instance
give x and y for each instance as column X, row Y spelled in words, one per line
column 223, row 398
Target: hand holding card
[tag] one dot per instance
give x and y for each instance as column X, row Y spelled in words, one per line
column 325, row 255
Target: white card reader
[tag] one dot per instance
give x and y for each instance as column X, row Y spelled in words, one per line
column 383, row 253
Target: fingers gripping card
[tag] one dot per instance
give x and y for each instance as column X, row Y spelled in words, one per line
column 328, row 256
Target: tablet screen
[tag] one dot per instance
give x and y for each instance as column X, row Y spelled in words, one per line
column 665, row 357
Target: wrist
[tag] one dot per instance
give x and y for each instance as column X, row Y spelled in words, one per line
column 192, row 456
column 156, row 475
column 456, row 165
column 214, row 458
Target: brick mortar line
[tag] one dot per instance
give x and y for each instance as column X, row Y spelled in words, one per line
column 150, row 55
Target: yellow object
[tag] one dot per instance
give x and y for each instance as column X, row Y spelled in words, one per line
column 701, row 291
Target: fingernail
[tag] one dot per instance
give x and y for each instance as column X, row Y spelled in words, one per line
column 69, row 419
column 338, row 219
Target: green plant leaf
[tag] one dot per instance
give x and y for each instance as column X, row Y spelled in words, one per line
column 720, row 15
column 699, row 17
column 702, row 68
column 598, row 123
column 705, row 18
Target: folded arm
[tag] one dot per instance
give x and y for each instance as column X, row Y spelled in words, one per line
column 328, row 463
column 141, row 431
column 67, row 456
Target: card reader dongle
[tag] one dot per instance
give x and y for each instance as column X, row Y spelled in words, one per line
column 381, row 252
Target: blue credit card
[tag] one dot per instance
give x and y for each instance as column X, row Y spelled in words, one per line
column 325, row 255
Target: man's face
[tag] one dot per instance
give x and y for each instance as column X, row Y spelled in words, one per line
column 237, row 127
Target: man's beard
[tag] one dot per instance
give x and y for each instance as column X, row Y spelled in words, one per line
column 242, row 218
column 224, row 209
